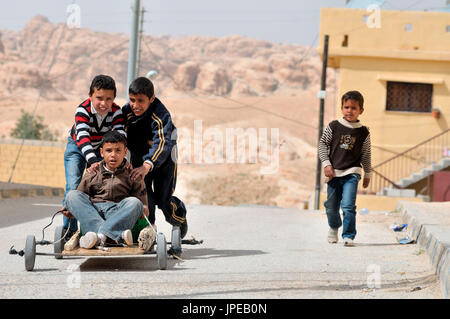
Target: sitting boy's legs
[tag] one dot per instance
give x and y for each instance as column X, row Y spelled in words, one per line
column 119, row 217
column 79, row 205
column 74, row 165
column 107, row 218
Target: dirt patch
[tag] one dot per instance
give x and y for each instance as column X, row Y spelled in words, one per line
column 237, row 189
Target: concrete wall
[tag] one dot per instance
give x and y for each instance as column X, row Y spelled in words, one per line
column 40, row 163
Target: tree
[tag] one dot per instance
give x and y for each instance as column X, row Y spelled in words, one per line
column 32, row 128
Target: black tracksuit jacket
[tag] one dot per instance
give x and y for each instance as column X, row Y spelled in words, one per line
column 150, row 136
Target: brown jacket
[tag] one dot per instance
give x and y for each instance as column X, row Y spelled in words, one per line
column 105, row 186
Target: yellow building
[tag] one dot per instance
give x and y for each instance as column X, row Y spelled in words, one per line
column 400, row 62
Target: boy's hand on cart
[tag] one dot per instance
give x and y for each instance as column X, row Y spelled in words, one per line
column 329, row 171
column 366, row 182
column 66, row 213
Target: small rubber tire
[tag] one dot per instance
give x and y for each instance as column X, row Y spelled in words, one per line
column 58, row 244
column 30, row 252
column 161, row 251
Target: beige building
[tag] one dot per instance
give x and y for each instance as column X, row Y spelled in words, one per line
column 400, row 62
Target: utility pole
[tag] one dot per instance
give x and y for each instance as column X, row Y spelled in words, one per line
column 139, row 42
column 132, row 55
column 321, row 95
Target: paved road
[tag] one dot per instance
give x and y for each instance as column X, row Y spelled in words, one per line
column 19, row 210
column 248, row 252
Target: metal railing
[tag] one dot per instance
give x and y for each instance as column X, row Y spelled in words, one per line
column 390, row 172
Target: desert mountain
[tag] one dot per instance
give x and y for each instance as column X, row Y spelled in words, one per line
column 64, row 60
column 226, row 83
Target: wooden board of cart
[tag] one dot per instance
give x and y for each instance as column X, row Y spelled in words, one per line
column 108, row 251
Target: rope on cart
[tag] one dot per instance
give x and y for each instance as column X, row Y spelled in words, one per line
column 42, row 242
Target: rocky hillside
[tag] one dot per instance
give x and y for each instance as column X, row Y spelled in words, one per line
column 62, row 61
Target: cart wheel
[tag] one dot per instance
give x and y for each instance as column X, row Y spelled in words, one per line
column 161, row 251
column 58, row 244
column 30, row 252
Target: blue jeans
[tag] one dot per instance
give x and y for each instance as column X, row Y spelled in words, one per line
column 341, row 192
column 107, row 218
column 74, row 165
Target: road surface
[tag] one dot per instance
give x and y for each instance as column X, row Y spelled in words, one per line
column 248, row 252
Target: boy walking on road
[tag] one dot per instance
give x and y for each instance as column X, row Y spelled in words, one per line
column 345, row 151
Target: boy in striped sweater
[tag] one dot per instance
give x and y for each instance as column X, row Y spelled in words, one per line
column 93, row 118
column 344, row 150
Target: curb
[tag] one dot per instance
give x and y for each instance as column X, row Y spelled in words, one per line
column 31, row 192
column 433, row 237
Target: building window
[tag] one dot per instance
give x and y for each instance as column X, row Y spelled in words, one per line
column 409, row 97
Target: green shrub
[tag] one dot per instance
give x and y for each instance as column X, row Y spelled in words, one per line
column 32, row 128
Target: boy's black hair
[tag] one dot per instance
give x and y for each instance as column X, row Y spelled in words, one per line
column 113, row 137
column 104, row 82
column 355, row 96
column 142, row 85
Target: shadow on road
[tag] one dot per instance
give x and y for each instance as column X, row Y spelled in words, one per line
column 207, row 253
column 141, row 263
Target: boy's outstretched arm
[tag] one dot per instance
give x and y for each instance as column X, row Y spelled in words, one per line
column 161, row 148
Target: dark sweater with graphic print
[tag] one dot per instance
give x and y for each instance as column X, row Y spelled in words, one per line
column 346, row 147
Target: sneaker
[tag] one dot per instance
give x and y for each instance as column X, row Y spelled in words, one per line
column 127, row 237
column 73, row 242
column 333, row 236
column 147, row 238
column 348, row 242
column 89, row 240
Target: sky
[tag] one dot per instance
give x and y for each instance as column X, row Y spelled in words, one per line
column 279, row 21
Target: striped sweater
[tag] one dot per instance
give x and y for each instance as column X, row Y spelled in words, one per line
column 347, row 148
column 88, row 133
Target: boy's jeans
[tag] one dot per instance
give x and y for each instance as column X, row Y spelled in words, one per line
column 341, row 191
column 108, row 218
column 74, row 165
